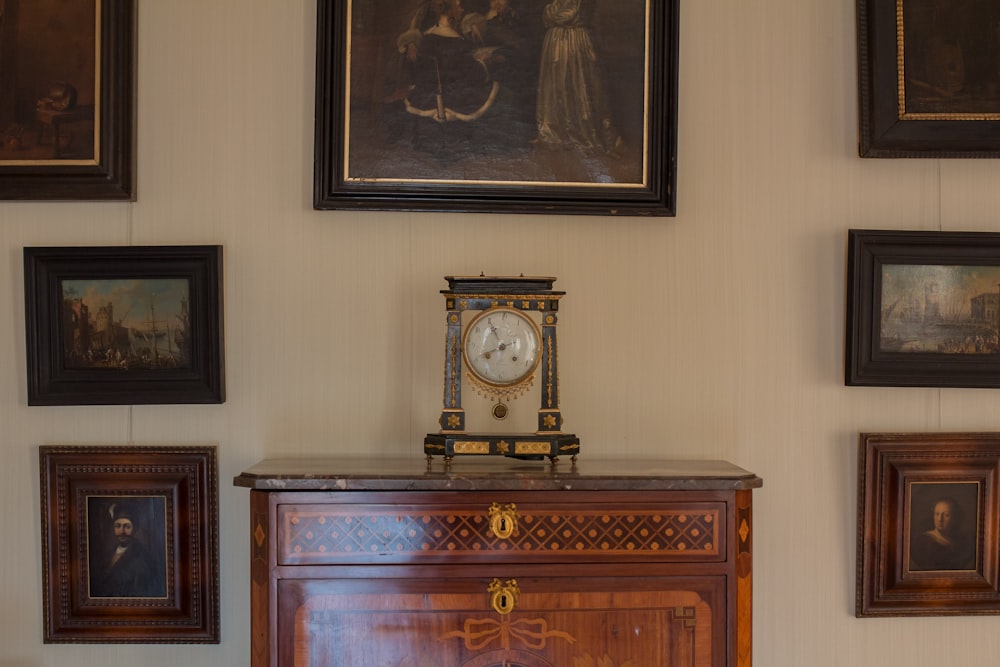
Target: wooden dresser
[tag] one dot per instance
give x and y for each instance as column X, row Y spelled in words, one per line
column 493, row 562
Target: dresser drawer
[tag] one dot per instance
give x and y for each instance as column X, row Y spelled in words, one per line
column 575, row 619
column 374, row 532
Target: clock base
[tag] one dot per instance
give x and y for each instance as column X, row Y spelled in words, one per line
column 514, row 445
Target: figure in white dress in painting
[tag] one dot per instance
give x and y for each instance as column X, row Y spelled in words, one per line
column 572, row 107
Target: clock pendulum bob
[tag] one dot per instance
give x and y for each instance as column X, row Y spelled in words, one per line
column 500, row 411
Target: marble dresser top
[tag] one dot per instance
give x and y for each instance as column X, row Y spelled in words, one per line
column 475, row 473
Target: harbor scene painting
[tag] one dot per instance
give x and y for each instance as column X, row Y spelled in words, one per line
column 940, row 309
column 126, row 324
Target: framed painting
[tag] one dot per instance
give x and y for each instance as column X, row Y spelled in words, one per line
column 928, row 517
column 130, row 544
column 928, row 80
column 497, row 106
column 923, row 309
column 124, row 325
column 67, row 100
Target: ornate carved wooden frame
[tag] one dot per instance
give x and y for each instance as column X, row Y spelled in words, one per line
column 911, row 561
column 169, row 496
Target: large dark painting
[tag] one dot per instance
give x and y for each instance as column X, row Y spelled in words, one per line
column 560, row 106
column 929, row 78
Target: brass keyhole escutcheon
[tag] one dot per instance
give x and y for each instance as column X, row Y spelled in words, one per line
column 503, row 596
column 503, row 520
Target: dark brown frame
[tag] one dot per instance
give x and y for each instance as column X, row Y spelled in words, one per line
column 866, row 362
column 887, row 128
column 112, row 177
column 334, row 189
column 892, row 467
column 52, row 382
column 183, row 480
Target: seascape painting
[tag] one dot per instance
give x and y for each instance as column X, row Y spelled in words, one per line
column 940, row 309
column 126, row 324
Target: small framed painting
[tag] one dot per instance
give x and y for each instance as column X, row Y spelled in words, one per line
column 928, row 517
column 504, row 106
column 67, row 100
column 130, row 544
column 923, row 309
column 124, row 325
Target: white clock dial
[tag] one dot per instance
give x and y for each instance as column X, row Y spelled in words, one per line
column 502, row 346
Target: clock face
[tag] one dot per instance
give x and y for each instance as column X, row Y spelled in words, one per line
column 502, row 346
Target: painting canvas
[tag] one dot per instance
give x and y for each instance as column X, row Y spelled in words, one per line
column 947, row 309
column 950, row 59
column 943, row 526
column 49, row 94
column 528, row 105
column 536, row 132
column 126, row 324
column 127, row 541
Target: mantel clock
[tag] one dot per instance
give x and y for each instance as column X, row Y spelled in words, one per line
column 501, row 336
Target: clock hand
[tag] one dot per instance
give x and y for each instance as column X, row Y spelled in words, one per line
column 499, row 348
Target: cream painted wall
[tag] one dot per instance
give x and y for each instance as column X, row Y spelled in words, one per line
column 729, row 317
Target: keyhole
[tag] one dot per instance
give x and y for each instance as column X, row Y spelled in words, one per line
column 503, row 601
column 503, row 525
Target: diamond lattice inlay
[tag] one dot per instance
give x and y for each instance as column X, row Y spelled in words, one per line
column 338, row 534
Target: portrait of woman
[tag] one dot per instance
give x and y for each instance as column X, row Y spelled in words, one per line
column 943, row 526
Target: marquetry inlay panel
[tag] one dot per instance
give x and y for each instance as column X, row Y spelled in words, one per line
column 332, row 533
column 658, row 626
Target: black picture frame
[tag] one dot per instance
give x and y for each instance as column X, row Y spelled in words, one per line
column 160, row 505
column 85, row 347
column 404, row 161
column 922, row 309
column 923, row 92
column 108, row 171
column 928, row 511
